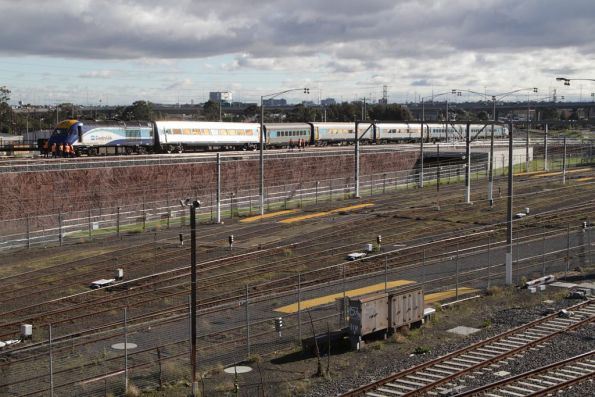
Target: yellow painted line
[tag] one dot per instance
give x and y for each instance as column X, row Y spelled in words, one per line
column 560, row 172
column 269, row 215
column 307, row 304
column 527, row 173
column 585, row 179
column 451, row 293
column 325, row 213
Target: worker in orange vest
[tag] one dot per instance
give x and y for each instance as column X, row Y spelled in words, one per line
column 54, row 150
column 66, row 150
column 45, row 149
column 61, row 150
column 72, row 152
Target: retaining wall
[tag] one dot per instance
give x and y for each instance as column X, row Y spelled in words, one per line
column 45, row 192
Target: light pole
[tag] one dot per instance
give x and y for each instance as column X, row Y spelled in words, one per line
column 261, row 138
column 193, row 205
column 508, row 269
column 496, row 98
column 567, row 81
column 421, row 141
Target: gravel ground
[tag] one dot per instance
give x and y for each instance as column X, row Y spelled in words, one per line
column 502, row 319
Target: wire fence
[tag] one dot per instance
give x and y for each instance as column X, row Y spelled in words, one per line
column 134, row 347
column 244, row 199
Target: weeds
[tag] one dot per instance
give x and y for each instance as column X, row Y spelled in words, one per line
column 421, row 350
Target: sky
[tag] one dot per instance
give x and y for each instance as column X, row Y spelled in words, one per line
column 114, row 52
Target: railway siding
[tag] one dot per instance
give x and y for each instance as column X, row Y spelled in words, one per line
column 430, row 375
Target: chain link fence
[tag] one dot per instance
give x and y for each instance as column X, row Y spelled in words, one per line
column 148, row 345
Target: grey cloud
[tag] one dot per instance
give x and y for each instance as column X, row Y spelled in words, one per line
column 357, row 35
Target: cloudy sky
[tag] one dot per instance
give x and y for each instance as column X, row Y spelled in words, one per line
column 118, row 51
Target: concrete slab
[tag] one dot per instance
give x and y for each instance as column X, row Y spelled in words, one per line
column 462, row 330
column 587, row 285
column 502, row 373
column 122, row 346
column 561, row 284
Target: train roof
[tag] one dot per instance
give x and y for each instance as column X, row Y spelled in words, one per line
column 204, row 124
column 287, row 125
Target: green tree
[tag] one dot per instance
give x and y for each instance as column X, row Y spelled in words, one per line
column 483, row 116
column 4, row 94
column 5, row 110
column 139, row 110
column 389, row 113
column 550, row 114
column 210, row 111
column 300, row 113
column 251, row 111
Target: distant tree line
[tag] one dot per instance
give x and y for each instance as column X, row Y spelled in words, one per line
column 16, row 122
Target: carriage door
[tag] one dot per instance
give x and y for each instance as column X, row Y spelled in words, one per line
column 80, row 132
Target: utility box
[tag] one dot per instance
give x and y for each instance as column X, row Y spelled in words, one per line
column 119, row 274
column 406, row 307
column 367, row 315
column 26, row 331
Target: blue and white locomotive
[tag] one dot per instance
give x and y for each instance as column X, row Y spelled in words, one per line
column 93, row 138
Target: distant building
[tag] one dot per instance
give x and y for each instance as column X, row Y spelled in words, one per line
column 221, row 96
column 274, row 102
column 328, row 102
column 308, row 103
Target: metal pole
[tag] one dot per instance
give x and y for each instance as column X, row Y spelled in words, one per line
column 317, row 183
column 564, row 164
column 423, row 267
column 457, row 275
column 468, row 165
column 385, row 273
column 89, row 223
column 446, row 121
column 508, row 277
column 527, row 141
column 118, row 221
column 218, row 187
column 28, row 233
column 344, row 292
column 247, row 321
column 421, row 155
column 438, row 177
column 356, row 162
column 261, row 139
column 543, row 252
column 126, row 349
column 193, row 296
column 567, row 250
column 60, row 227
column 589, row 227
column 545, row 167
column 489, row 260
column 491, row 159
column 51, row 362
column 299, row 313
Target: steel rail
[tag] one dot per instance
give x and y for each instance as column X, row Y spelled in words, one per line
column 433, row 384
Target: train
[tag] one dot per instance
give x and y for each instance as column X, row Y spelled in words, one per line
column 119, row 137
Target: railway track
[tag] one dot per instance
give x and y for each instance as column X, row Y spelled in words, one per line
column 542, row 381
column 165, row 284
column 435, row 376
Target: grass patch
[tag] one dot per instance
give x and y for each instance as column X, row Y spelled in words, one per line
column 421, row 350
